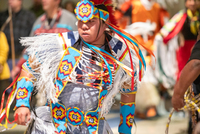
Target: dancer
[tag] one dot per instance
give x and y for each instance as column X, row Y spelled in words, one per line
column 184, row 27
column 79, row 73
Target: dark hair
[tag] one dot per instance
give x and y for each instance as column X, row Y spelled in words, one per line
column 102, row 6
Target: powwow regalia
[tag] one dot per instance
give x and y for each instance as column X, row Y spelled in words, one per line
column 187, row 24
column 79, row 80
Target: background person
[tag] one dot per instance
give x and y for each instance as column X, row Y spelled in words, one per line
column 22, row 23
column 54, row 20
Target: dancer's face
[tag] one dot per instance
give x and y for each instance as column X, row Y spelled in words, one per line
column 92, row 31
column 191, row 4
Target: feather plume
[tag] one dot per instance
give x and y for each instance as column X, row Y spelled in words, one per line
column 111, row 16
column 109, row 6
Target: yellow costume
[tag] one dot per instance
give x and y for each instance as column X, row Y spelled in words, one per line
column 4, row 49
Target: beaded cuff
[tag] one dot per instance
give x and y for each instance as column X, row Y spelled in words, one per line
column 127, row 111
column 24, row 90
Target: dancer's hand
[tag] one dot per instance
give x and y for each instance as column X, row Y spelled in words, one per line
column 24, row 115
column 177, row 102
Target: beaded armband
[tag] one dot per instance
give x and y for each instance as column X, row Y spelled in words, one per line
column 127, row 111
column 24, row 90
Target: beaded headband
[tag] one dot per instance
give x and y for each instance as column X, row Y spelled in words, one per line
column 85, row 11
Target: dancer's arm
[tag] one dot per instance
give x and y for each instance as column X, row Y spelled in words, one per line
column 127, row 111
column 189, row 73
column 24, row 90
column 127, row 107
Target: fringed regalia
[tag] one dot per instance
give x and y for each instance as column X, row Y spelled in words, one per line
column 79, row 80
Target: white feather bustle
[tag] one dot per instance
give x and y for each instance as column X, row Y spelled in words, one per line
column 46, row 52
column 121, row 77
column 43, row 121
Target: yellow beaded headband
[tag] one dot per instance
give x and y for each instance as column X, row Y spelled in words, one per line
column 85, row 11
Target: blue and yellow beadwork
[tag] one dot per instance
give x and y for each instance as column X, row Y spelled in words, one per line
column 58, row 112
column 75, row 116
column 24, row 90
column 85, row 11
column 127, row 111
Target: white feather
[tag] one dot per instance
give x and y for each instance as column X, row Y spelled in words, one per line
column 48, row 53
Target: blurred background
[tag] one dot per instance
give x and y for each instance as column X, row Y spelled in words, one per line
column 27, row 4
